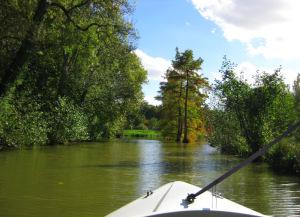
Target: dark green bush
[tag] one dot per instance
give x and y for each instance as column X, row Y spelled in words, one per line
column 225, row 133
column 285, row 157
column 142, row 126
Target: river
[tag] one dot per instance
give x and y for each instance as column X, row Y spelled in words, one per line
column 94, row 179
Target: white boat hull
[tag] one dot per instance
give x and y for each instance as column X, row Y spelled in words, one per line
column 169, row 201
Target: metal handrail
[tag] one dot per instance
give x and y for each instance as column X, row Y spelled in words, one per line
column 191, row 197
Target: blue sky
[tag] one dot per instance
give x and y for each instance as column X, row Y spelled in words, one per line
column 255, row 34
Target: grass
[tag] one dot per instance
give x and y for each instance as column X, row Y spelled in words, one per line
column 142, row 133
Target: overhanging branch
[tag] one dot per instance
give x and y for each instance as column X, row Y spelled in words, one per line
column 79, row 5
column 68, row 11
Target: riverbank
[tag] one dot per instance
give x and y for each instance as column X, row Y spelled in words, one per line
column 282, row 158
column 150, row 134
column 142, row 133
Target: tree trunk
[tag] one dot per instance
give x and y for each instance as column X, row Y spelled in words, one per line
column 179, row 127
column 185, row 136
column 68, row 64
column 11, row 74
column 86, row 86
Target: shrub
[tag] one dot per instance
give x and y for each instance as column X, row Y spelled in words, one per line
column 20, row 125
column 142, row 126
column 67, row 122
column 225, row 133
column 285, row 157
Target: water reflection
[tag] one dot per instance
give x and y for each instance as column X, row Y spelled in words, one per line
column 150, row 170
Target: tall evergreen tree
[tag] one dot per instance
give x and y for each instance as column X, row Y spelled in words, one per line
column 182, row 94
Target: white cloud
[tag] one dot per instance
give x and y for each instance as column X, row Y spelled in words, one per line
column 214, row 76
column 267, row 27
column 151, row 100
column 248, row 71
column 156, row 66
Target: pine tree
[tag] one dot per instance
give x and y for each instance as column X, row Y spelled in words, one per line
column 183, row 98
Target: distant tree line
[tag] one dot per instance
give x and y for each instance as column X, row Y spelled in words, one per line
column 67, row 70
column 147, row 117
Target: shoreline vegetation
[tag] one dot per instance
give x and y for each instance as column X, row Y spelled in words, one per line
column 152, row 134
column 246, row 116
column 69, row 73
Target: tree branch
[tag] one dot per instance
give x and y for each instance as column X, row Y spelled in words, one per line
column 79, row 5
column 10, row 37
column 12, row 72
column 67, row 13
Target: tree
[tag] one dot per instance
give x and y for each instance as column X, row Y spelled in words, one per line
column 183, row 92
column 263, row 110
column 297, row 102
column 297, row 93
column 85, row 10
column 10, row 75
column 185, row 63
column 78, row 78
column 171, row 97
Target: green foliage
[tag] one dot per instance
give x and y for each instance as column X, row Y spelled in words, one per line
column 22, row 124
column 142, row 126
column 77, row 77
column 67, row 123
column 250, row 116
column 183, row 96
column 151, row 115
column 226, row 133
column 145, row 116
column 153, row 124
column 142, row 133
column 285, row 157
column 150, row 111
column 297, row 104
column 262, row 111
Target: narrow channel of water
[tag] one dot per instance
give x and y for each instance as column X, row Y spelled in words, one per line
column 96, row 178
